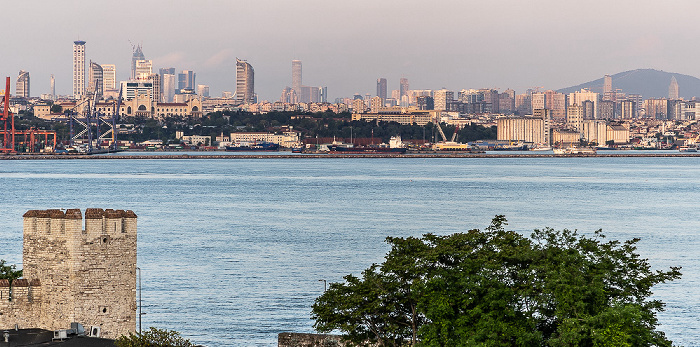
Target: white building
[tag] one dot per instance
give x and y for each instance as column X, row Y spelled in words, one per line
column 78, row 69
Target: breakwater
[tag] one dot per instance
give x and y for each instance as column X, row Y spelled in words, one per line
column 166, row 155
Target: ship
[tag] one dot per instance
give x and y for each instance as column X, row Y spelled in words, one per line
column 253, row 146
column 366, row 150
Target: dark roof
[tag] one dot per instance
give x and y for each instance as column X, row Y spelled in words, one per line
column 41, row 337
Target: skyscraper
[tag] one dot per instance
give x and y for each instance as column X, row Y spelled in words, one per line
column 168, row 87
column 143, row 69
column 245, row 78
column 185, row 80
column 22, row 86
column 607, row 84
column 78, row 69
column 138, row 55
column 109, row 73
column 381, row 88
column 96, row 80
column 296, row 76
column 403, row 87
column 673, row 91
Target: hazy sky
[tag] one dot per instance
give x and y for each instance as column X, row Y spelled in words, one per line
column 347, row 45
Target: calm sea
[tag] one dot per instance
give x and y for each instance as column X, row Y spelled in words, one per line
column 234, row 251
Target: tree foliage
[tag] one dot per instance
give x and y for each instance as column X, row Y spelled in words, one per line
column 153, row 337
column 9, row 272
column 499, row 288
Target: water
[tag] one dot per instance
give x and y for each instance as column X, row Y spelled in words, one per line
column 232, row 251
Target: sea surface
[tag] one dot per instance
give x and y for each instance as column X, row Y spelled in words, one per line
column 234, row 252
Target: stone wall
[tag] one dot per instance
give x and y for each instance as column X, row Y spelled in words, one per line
column 308, row 340
column 79, row 274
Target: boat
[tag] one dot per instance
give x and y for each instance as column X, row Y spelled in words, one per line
column 541, row 147
column 368, row 150
column 253, row 146
column 687, row 149
column 574, row 150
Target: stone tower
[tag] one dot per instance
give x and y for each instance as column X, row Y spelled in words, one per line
column 83, row 273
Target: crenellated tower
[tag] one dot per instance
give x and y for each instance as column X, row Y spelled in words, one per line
column 82, row 270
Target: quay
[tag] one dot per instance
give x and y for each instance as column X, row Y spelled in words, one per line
column 334, row 156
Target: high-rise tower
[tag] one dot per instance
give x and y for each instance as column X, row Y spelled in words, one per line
column 245, row 78
column 109, row 72
column 138, row 55
column 673, row 91
column 96, row 80
column 381, row 88
column 296, row 76
column 403, row 87
column 78, row 69
column 22, row 86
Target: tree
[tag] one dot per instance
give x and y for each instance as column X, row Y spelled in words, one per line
column 9, row 272
column 499, row 288
column 153, row 338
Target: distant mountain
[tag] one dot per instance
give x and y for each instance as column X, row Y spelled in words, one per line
column 649, row 83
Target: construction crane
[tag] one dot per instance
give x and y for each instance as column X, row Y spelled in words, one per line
column 8, row 137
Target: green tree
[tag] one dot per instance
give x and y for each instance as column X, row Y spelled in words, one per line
column 499, row 288
column 153, row 338
column 9, row 272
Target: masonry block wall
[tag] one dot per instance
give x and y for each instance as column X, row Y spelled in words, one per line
column 75, row 272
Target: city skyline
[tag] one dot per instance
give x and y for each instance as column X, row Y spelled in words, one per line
column 510, row 44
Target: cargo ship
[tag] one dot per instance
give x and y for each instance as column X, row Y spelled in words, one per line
column 255, row 146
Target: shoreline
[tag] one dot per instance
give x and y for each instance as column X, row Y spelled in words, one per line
column 332, row 156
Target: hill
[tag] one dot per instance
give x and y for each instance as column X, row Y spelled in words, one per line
column 649, row 83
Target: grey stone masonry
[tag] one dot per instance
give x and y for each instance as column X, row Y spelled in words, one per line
column 75, row 272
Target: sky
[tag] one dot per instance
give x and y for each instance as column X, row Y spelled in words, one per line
column 347, row 45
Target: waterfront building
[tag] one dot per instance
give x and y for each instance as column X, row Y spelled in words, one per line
column 381, row 88
column 22, row 85
column 618, row 133
column 287, row 139
column 400, row 115
column 565, row 137
column 95, row 80
column 521, row 129
column 78, row 69
column 595, row 131
column 673, row 91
